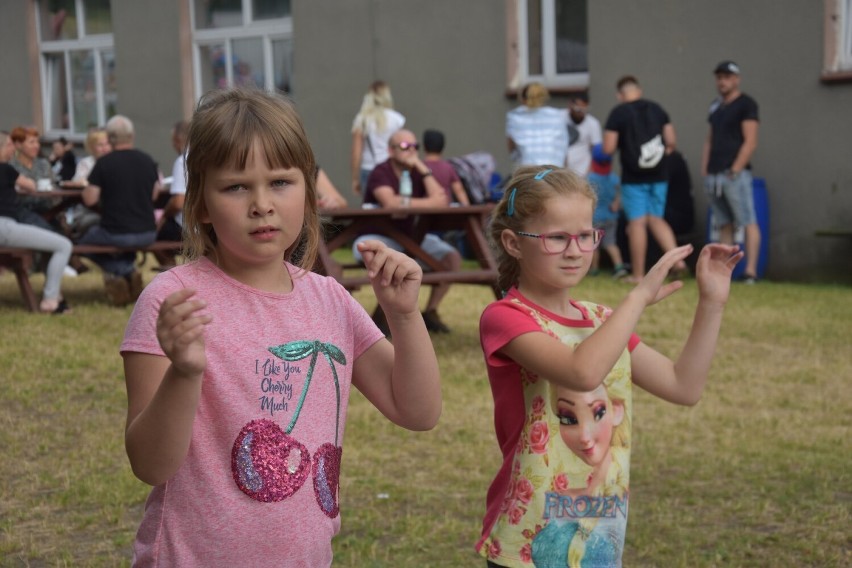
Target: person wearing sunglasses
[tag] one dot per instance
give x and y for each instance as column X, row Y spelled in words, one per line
column 382, row 190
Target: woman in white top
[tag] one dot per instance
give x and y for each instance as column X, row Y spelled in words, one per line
column 96, row 145
column 371, row 132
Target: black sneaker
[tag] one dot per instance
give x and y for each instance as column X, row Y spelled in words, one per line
column 433, row 322
column 381, row 321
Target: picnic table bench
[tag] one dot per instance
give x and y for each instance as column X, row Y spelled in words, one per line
column 355, row 221
column 20, row 262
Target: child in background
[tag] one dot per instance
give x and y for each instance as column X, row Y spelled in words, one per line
column 606, row 185
column 551, row 503
column 444, row 172
column 239, row 363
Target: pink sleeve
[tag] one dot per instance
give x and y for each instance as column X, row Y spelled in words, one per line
column 140, row 335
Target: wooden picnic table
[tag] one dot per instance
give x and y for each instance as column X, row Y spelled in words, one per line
column 352, row 222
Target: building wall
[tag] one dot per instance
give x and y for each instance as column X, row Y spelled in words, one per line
column 444, row 61
column 149, row 68
column 16, row 96
column 804, row 144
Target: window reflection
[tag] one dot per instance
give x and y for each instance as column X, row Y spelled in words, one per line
column 218, row 14
column 98, row 18
column 535, row 66
column 572, row 43
column 214, row 73
column 248, row 63
column 269, row 9
column 282, row 63
column 56, row 113
column 58, row 20
column 83, row 90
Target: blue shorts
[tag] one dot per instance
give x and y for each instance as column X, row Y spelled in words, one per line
column 731, row 200
column 432, row 244
column 642, row 199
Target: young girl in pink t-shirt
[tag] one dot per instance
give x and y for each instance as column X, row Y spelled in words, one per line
column 561, row 373
column 238, row 363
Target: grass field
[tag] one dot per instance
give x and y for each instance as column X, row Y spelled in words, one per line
column 758, row 474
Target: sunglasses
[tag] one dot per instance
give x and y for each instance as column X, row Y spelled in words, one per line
column 407, row 146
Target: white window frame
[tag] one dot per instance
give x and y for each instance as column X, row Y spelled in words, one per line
column 266, row 30
column 98, row 44
column 549, row 77
column 838, row 38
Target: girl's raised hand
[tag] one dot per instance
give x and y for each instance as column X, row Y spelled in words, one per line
column 653, row 286
column 713, row 271
column 180, row 331
column 395, row 276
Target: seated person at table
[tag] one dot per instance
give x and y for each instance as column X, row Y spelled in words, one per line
column 29, row 163
column 327, row 195
column 383, row 190
column 444, row 172
column 124, row 184
column 170, row 223
column 20, row 235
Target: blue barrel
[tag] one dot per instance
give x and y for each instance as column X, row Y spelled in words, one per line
column 761, row 210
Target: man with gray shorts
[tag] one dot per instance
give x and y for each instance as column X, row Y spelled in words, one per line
column 725, row 163
column 383, row 191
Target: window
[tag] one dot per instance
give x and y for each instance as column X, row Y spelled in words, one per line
column 553, row 43
column 242, row 42
column 77, row 64
column 838, row 45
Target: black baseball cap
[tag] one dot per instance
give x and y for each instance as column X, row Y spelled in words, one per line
column 727, row 67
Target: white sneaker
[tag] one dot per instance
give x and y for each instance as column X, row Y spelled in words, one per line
column 70, row 272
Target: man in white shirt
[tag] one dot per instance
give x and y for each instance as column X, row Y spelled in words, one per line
column 170, row 223
column 584, row 131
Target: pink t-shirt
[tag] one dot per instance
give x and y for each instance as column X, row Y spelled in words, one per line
column 546, row 503
column 259, row 485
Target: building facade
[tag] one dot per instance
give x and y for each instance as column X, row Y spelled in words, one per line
column 456, row 66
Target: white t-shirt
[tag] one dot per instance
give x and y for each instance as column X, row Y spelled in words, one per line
column 259, row 484
column 178, row 186
column 375, row 149
column 580, row 152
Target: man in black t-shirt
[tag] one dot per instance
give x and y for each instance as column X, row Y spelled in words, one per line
column 725, row 163
column 123, row 183
column 643, row 135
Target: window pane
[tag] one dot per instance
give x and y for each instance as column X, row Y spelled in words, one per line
column 218, row 14
column 58, row 19
column 572, row 44
column 98, row 19
column 248, row 62
column 268, row 9
column 534, row 39
column 110, row 89
column 84, row 93
column 213, row 72
column 56, row 113
column 282, row 63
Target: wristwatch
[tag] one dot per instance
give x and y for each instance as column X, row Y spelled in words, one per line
column 427, row 173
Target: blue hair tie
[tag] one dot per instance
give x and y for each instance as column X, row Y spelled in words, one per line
column 510, row 210
column 540, row 175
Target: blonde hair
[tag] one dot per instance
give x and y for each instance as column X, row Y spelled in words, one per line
column 535, row 95
column 528, row 191
column 377, row 99
column 226, row 125
column 92, row 139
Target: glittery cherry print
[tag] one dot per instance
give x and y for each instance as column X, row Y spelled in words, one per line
column 268, row 465
column 327, row 478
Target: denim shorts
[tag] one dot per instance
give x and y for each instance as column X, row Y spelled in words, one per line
column 610, row 227
column 731, row 200
column 641, row 199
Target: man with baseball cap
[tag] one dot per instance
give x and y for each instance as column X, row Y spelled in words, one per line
column 725, row 163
